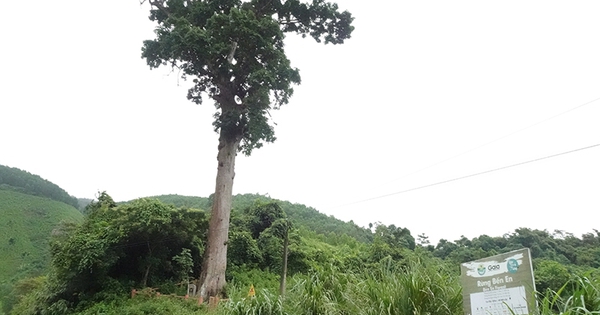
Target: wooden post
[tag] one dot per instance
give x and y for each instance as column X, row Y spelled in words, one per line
column 213, row 301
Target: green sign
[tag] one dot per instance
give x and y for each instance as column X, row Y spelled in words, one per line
column 499, row 285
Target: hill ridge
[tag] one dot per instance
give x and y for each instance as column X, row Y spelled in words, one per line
column 15, row 179
column 300, row 214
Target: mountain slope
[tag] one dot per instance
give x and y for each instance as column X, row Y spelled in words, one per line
column 301, row 215
column 12, row 178
column 26, row 223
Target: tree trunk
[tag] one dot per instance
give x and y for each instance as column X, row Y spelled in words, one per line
column 285, row 262
column 147, row 272
column 212, row 277
column 145, row 279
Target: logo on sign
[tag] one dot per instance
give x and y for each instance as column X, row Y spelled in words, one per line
column 512, row 265
column 481, row 270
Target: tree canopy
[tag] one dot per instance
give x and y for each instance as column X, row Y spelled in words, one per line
column 141, row 243
column 234, row 51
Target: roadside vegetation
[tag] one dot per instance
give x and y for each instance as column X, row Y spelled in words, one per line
column 89, row 264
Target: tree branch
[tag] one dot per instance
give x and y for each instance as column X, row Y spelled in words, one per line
column 160, row 4
column 232, row 52
column 288, row 22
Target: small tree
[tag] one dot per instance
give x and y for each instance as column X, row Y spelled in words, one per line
column 185, row 264
column 233, row 50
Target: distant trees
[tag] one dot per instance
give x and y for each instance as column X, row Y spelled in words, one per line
column 257, row 236
column 18, row 180
column 557, row 256
column 309, row 218
column 390, row 242
column 550, row 274
column 562, row 247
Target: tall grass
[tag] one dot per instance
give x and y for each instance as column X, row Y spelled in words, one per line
column 383, row 289
column 264, row 303
column 411, row 289
column 585, row 299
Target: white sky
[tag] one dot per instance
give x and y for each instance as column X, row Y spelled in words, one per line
column 419, row 83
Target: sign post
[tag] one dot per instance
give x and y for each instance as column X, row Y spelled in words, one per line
column 499, row 285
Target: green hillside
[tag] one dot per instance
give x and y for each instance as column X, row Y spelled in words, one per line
column 12, row 178
column 184, row 201
column 26, row 223
column 301, row 215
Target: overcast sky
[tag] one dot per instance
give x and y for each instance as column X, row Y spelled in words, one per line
column 423, row 93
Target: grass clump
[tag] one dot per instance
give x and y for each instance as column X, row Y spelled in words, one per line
column 585, row 299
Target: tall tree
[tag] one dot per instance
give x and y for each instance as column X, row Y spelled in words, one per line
column 233, row 50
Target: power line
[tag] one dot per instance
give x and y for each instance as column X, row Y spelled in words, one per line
column 495, row 140
column 468, row 176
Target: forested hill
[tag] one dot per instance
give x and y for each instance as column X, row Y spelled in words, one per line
column 21, row 181
column 299, row 214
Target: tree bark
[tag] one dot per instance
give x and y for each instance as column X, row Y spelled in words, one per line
column 212, row 276
column 147, row 272
column 285, row 263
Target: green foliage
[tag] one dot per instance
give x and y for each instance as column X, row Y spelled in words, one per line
column 20, row 290
column 390, row 241
column 550, row 275
column 265, row 303
column 411, row 289
column 312, row 220
column 241, row 279
column 21, row 181
column 118, row 247
column 234, row 53
column 184, row 201
column 184, row 264
column 332, row 230
column 585, row 299
column 561, row 247
column 262, row 216
column 146, row 306
column 256, row 237
column 243, row 250
column 386, row 288
column 25, row 227
column 26, row 223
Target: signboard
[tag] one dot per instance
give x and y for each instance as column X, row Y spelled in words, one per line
column 499, row 285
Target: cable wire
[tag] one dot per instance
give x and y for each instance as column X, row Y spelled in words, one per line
column 495, row 140
column 468, row 176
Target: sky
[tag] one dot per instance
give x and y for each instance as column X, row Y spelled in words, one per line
column 423, row 119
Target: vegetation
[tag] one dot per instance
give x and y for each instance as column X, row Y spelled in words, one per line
column 146, row 243
column 334, row 267
column 301, row 215
column 21, row 181
column 234, row 52
column 26, row 223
